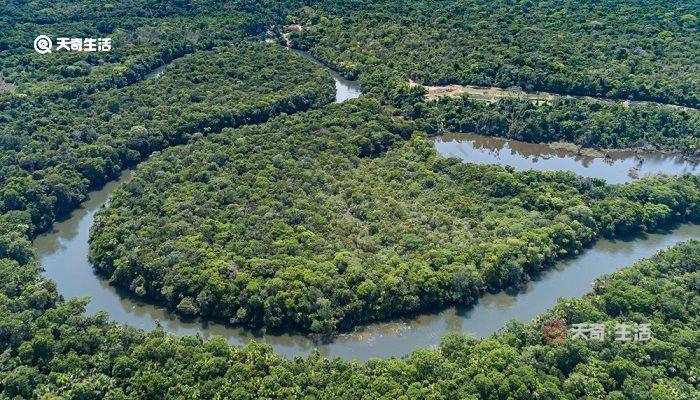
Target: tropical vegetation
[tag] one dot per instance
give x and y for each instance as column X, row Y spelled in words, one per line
column 259, row 203
column 324, row 220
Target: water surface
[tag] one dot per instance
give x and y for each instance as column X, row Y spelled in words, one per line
column 618, row 167
column 64, row 255
column 344, row 89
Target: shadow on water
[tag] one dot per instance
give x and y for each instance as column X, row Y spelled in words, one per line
column 617, row 167
column 64, row 254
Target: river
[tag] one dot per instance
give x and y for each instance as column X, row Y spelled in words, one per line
column 64, row 255
column 617, row 167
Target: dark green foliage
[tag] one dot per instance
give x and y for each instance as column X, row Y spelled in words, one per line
column 51, row 347
column 644, row 50
column 586, row 123
column 145, row 34
column 631, row 50
column 62, row 153
column 344, row 214
column 328, row 219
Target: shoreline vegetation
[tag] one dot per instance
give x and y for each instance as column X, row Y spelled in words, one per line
column 579, row 120
column 592, row 126
column 50, row 158
column 264, row 330
column 117, row 362
column 317, row 252
column 494, row 95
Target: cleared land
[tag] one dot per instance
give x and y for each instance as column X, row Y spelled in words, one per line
column 492, row 94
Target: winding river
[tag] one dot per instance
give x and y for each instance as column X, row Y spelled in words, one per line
column 64, row 255
column 344, row 89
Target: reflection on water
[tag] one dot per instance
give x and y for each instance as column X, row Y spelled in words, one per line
column 344, row 89
column 619, row 167
column 63, row 252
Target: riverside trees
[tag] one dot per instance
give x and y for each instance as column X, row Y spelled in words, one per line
column 49, row 347
column 586, row 123
column 324, row 220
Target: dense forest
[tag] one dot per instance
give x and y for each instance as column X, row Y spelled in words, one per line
column 267, row 214
column 634, row 49
column 586, row 123
column 332, row 218
column 145, row 34
column 544, row 45
column 50, row 348
column 50, row 157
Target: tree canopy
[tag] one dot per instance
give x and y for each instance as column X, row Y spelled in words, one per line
column 50, row 347
column 263, row 205
column 643, row 50
column 327, row 219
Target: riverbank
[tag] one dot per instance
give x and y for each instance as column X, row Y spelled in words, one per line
column 492, row 94
column 157, row 316
column 587, row 128
column 64, row 255
column 614, row 165
column 640, row 152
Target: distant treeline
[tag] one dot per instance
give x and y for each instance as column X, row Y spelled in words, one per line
column 624, row 50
